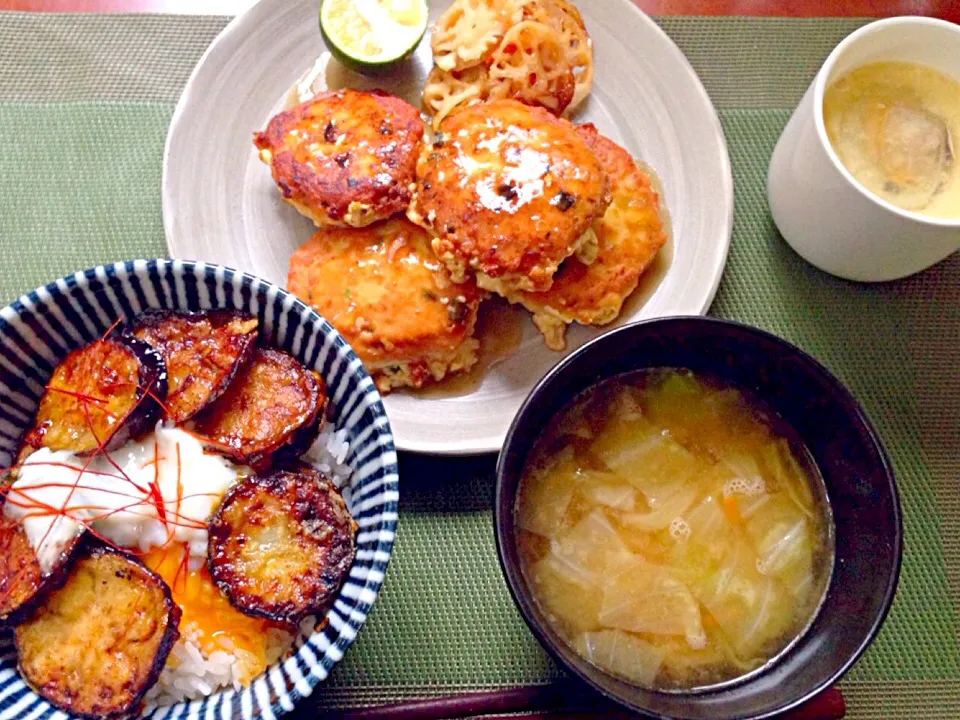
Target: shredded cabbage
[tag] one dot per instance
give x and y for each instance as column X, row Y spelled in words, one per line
column 787, row 474
column 647, row 598
column 567, row 592
column 676, row 535
column 622, row 654
column 593, row 543
column 665, row 511
column 783, row 539
column 542, row 506
column 615, row 496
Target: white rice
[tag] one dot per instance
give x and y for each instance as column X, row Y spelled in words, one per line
column 189, row 674
column 328, row 454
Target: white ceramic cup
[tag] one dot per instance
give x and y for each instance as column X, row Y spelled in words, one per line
column 825, row 214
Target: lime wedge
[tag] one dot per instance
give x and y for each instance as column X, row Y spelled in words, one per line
column 370, row 35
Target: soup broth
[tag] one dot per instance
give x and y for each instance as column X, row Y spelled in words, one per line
column 894, row 126
column 673, row 530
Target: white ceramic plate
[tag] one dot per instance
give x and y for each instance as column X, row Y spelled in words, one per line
column 220, row 204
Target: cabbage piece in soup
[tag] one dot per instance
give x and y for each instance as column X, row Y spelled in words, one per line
column 673, row 530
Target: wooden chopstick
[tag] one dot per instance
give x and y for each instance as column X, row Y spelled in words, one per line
column 546, row 701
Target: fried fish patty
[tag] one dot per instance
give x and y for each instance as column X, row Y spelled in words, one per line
column 385, row 291
column 509, row 191
column 346, row 157
column 629, row 235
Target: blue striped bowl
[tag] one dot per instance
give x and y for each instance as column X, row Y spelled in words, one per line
column 41, row 327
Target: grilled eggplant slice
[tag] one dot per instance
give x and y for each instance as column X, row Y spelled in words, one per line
column 99, row 642
column 202, row 351
column 100, row 395
column 23, row 581
column 281, row 545
column 270, row 413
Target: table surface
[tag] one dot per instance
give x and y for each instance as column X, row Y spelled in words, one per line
column 947, row 9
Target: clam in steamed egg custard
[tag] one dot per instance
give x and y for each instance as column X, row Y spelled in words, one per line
column 673, row 531
column 895, row 126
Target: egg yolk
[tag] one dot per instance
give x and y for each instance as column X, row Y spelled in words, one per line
column 208, row 618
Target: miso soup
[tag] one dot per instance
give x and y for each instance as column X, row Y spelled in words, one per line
column 673, row 530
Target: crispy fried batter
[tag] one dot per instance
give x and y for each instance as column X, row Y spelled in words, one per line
column 630, row 234
column 346, row 157
column 202, row 351
column 270, row 412
column 101, row 394
column 281, row 546
column 509, row 191
column 98, row 643
column 385, row 291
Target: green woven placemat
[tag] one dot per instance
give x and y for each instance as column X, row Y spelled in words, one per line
column 84, row 106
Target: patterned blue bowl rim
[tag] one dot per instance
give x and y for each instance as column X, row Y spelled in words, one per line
column 40, row 327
